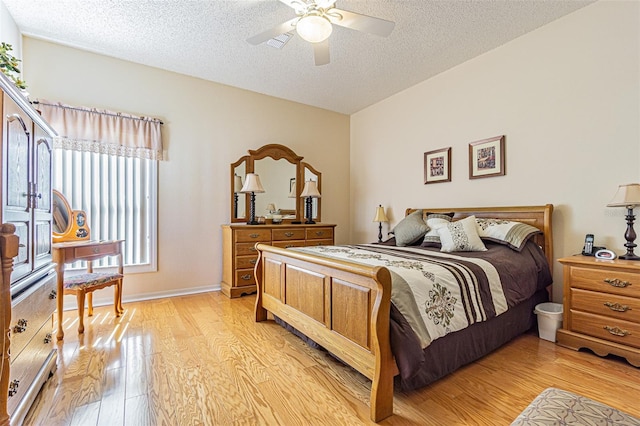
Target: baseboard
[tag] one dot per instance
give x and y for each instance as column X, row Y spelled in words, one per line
column 107, row 300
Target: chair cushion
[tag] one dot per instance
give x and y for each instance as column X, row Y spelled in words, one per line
column 88, row 280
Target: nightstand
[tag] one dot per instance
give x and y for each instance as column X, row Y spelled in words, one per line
column 602, row 306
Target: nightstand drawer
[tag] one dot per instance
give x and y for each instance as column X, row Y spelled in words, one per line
column 609, row 305
column 287, row 234
column 255, row 235
column 615, row 330
column 609, row 281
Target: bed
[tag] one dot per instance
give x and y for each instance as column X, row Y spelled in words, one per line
column 345, row 305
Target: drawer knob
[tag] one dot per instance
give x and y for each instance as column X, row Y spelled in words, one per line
column 47, row 338
column 254, row 235
column 288, row 234
column 246, row 277
column 617, row 307
column 617, row 331
column 13, row 387
column 21, row 326
column 319, row 233
column 96, row 250
column 615, row 282
column 53, row 294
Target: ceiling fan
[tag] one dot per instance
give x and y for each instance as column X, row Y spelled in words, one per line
column 314, row 23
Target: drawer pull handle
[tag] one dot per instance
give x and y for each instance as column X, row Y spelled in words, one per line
column 617, row 331
column 47, row 338
column 96, row 250
column 617, row 283
column 319, row 233
column 253, row 249
column 13, row 387
column 21, row 326
column 288, row 234
column 52, row 295
column 253, row 261
column 289, row 246
column 617, row 307
column 254, row 235
column 246, row 277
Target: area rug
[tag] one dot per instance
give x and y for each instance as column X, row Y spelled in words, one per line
column 559, row 407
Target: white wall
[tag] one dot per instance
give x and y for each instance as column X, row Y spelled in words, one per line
column 207, row 126
column 9, row 32
column 567, row 97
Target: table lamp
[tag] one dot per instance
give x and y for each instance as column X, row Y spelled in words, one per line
column 628, row 196
column 252, row 185
column 310, row 192
column 237, row 187
column 380, row 217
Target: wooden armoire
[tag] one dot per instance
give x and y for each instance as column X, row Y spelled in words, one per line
column 28, row 295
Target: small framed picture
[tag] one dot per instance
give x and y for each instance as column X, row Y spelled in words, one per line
column 486, row 158
column 437, row 166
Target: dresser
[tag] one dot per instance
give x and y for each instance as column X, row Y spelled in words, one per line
column 30, row 299
column 239, row 255
column 602, row 306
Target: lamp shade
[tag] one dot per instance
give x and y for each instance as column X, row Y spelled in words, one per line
column 380, row 215
column 628, row 195
column 314, row 28
column 252, row 183
column 271, row 207
column 310, row 190
column 237, row 183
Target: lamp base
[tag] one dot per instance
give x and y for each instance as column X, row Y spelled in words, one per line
column 629, row 257
column 309, row 222
column 253, row 223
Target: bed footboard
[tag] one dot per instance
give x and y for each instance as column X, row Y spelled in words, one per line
column 342, row 306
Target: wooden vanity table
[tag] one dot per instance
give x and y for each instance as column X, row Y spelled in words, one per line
column 69, row 252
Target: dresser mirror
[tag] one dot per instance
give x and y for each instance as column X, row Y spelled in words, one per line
column 282, row 174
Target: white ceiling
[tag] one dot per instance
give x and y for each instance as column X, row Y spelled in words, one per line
column 207, row 39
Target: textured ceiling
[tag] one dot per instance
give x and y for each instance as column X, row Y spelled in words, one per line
column 207, row 39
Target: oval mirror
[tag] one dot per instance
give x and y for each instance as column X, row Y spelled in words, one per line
column 61, row 214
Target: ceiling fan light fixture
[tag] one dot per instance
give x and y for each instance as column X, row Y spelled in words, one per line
column 314, row 28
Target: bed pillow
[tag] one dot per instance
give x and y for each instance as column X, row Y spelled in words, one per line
column 410, row 229
column 510, row 233
column 461, row 235
column 431, row 238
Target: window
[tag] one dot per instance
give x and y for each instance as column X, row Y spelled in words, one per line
column 119, row 195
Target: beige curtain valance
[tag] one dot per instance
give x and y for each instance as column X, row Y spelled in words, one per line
column 102, row 131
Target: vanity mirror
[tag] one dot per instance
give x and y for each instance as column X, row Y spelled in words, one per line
column 68, row 224
column 282, row 174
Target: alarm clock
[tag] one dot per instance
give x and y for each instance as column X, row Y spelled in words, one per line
column 605, row 254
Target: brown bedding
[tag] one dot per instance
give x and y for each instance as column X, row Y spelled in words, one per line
column 524, row 276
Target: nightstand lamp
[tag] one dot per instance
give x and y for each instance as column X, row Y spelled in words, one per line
column 380, row 217
column 628, row 196
column 310, row 192
column 252, row 185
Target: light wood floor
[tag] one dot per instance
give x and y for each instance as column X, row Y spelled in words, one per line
column 202, row 360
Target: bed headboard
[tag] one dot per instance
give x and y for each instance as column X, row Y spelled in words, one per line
column 538, row 216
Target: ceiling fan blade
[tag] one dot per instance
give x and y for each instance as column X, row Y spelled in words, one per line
column 273, row 32
column 321, row 52
column 357, row 21
column 298, row 5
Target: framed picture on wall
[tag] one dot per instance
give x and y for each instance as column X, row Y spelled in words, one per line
column 437, row 166
column 486, row 158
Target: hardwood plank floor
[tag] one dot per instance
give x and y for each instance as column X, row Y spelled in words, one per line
column 202, row 360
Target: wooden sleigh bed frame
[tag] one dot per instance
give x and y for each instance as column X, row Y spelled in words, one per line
column 345, row 306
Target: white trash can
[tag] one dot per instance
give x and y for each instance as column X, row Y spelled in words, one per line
column 549, row 320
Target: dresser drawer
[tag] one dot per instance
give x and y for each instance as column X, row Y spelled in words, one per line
column 287, row 234
column 610, row 305
column 35, row 306
column 244, row 249
column 319, row 243
column 255, row 235
column 245, row 277
column 25, row 367
column 612, row 329
column 287, row 244
column 244, row 262
column 319, row 233
column 609, row 281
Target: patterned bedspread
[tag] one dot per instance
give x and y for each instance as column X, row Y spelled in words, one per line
column 440, row 293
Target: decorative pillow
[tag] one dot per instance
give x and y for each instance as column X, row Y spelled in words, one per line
column 461, row 235
column 431, row 238
column 510, row 233
column 410, row 229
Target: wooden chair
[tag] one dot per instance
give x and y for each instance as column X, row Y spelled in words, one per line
column 87, row 283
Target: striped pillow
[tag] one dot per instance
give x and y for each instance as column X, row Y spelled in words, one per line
column 510, row 233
